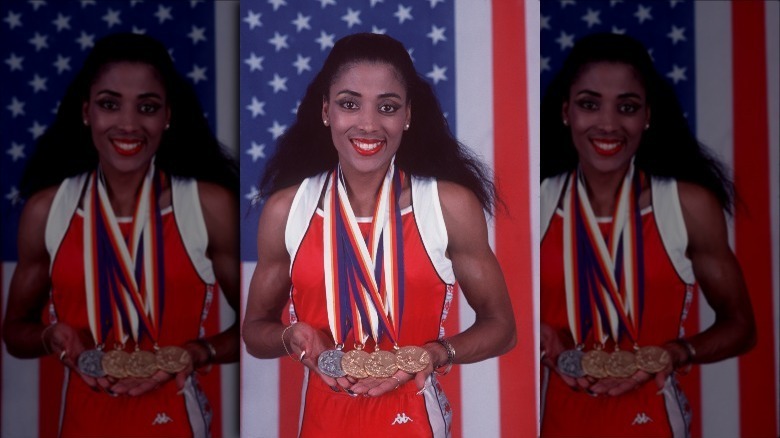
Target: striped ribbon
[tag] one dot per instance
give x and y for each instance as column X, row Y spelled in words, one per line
column 364, row 280
column 124, row 285
column 604, row 279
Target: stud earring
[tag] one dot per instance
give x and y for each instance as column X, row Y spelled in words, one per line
column 647, row 126
column 325, row 122
column 565, row 122
column 86, row 123
column 167, row 125
column 406, row 127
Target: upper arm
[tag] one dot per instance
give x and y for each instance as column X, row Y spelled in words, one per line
column 714, row 265
column 30, row 283
column 474, row 264
column 270, row 284
column 220, row 213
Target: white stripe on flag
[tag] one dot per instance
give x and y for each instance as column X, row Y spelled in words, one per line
column 259, row 382
column 773, row 92
column 480, row 407
column 20, row 383
column 533, row 67
column 715, row 128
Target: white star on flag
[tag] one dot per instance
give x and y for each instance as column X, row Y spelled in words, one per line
column 13, row 196
column 254, row 62
column 301, row 22
column 545, row 63
column 277, row 130
column 592, row 18
column 437, row 74
column 325, row 40
column 277, row 4
column 253, row 20
column 13, row 19
column 112, row 18
column 14, row 62
column 544, row 22
column 39, row 41
column 403, row 13
column 138, row 31
column 565, row 40
column 435, row 2
column 352, row 18
column 85, row 3
column 37, row 4
column 642, row 13
column 62, row 22
column 16, row 151
column 36, row 129
column 436, row 34
column 677, row 74
column 253, row 194
column 302, row 63
column 565, row 3
column 256, row 107
column 197, row 74
column 677, row 34
column 256, row 151
column 85, row 40
column 62, row 63
column 16, row 107
column 197, row 34
column 618, row 31
column 38, row 83
column 377, row 30
column 278, row 83
column 279, row 41
column 163, row 13
column 324, row 3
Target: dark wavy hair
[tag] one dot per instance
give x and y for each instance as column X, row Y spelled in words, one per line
column 188, row 148
column 427, row 149
column 667, row 149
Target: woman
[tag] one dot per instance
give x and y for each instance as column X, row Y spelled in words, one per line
column 129, row 224
column 373, row 210
column 632, row 219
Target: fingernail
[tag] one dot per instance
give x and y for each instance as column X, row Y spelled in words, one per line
column 420, row 392
column 335, row 388
column 180, row 392
column 94, row 389
column 660, row 392
column 352, row 394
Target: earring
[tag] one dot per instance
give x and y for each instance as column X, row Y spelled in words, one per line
column 325, row 122
column 86, row 123
column 167, row 125
column 565, row 122
column 406, row 127
column 647, row 126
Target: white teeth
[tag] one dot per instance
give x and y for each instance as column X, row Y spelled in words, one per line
column 606, row 146
column 127, row 146
column 366, row 146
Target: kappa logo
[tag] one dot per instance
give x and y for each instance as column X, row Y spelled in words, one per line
column 401, row 419
column 162, row 418
column 641, row 418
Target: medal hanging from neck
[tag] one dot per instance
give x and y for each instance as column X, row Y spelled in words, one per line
column 604, row 278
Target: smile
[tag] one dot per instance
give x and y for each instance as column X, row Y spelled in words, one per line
column 367, row 147
column 126, row 147
column 607, row 147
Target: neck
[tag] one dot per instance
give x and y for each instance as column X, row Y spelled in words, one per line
column 122, row 189
column 602, row 189
column 362, row 190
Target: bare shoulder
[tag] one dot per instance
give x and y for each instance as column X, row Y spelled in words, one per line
column 703, row 215
column 36, row 209
column 455, row 197
column 277, row 206
column 697, row 199
column 214, row 197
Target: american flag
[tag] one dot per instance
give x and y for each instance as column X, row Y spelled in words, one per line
column 481, row 56
column 723, row 59
column 42, row 46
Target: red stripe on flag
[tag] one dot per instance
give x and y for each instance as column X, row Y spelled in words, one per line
column 757, row 372
column 513, row 230
column 691, row 382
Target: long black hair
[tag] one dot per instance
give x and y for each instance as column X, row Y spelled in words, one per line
column 427, row 149
column 667, row 149
column 188, row 148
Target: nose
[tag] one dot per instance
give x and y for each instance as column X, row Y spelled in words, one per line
column 127, row 119
column 608, row 120
column 367, row 121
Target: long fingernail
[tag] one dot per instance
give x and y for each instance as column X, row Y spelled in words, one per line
column 94, row 388
column 660, row 392
column 420, row 392
column 335, row 388
column 352, row 394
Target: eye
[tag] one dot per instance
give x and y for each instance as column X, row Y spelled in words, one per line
column 628, row 108
column 108, row 104
column 148, row 108
column 347, row 104
column 588, row 105
column 388, row 108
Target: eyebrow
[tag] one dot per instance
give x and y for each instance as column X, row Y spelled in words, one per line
column 620, row 96
column 381, row 96
column 140, row 96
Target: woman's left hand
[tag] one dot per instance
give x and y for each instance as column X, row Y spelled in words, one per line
column 615, row 386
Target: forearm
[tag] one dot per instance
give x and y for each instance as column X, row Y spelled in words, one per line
column 24, row 339
column 722, row 340
column 264, row 338
column 486, row 338
column 224, row 347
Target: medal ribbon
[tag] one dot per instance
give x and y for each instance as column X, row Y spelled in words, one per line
column 608, row 283
column 370, row 272
column 130, row 278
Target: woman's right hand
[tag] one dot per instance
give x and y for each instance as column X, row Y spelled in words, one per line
column 67, row 343
column 302, row 337
column 552, row 344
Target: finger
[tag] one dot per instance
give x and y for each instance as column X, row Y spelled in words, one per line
column 385, row 385
column 344, row 382
column 660, row 379
column 583, row 382
column 143, row 387
column 420, row 378
column 103, row 382
column 181, row 379
column 569, row 381
column 623, row 387
column 364, row 385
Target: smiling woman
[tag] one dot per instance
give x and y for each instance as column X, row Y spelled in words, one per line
column 129, row 224
column 373, row 211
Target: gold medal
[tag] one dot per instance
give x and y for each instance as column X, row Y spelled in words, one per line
column 594, row 363
column 354, row 363
column 381, row 364
column 621, row 363
column 141, row 364
column 172, row 359
column 115, row 363
column 412, row 359
column 652, row 359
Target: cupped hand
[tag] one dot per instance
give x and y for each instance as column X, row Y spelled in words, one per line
column 616, row 386
column 67, row 343
column 305, row 343
column 135, row 386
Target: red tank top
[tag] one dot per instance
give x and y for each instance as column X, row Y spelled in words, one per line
column 161, row 412
column 637, row 413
